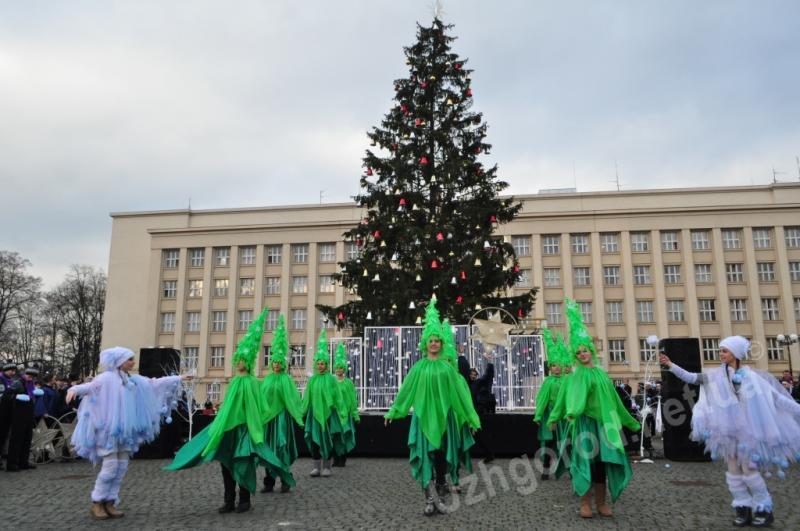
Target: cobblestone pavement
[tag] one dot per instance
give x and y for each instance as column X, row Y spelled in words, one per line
column 374, row 493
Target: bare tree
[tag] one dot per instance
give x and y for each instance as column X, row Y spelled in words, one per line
column 17, row 288
column 79, row 302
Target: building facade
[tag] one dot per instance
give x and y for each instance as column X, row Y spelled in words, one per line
column 700, row 262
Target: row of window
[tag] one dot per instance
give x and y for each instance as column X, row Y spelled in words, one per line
column 216, row 359
column 247, row 254
column 670, row 241
column 707, row 308
column 247, row 286
column 734, row 273
column 709, row 348
column 219, row 320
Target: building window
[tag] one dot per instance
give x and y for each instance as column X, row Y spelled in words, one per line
column 168, row 322
column 171, row 257
column 272, row 285
column 766, row 271
column 552, row 277
column 710, row 347
column 614, row 311
column 669, row 240
column 271, row 322
column 245, row 319
column 522, row 245
column 794, row 271
column 221, row 287
column 299, row 285
column 609, row 242
column 641, row 274
column 247, row 255
column 797, row 308
column 700, row 240
column 197, row 257
column 731, row 238
column 327, row 284
column 274, row 254
column 583, row 276
column 792, row 236
column 192, row 321
column 616, row 350
column 640, row 242
column 189, row 358
column 267, row 354
column 213, row 392
column 738, row 309
column 734, row 273
column 170, row 289
column 762, row 238
column 672, row 274
column 218, row 320
column 611, row 275
column 298, row 355
column 299, row 253
column 675, row 311
column 217, row 358
column 774, row 349
column 551, row 244
column 327, row 252
column 708, row 309
column 247, row 287
column 195, row 288
column 524, row 280
column 222, row 256
column 299, row 319
column 646, row 352
column 586, row 311
column 644, row 312
column 702, row 273
column 351, row 250
column 580, row 243
column 770, row 310
column 553, row 313
column 323, row 321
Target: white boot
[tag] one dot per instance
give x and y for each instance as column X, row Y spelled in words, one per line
column 315, row 467
column 326, row 468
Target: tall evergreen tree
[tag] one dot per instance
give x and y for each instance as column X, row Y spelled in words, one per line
column 431, row 205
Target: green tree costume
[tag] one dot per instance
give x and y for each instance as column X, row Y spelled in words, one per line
column 557, row 355
column 323, row 408
column 443, row 410
column 349, row 399
column 282, row 401
column 588, row 398
column 236, row 437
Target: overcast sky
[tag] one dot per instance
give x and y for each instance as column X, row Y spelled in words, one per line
column 141, row 105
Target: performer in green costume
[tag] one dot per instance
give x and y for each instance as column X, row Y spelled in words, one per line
column 323, row 410
column 236, row 437
column 551, row 441
column 283, row 406
column 596, row 416
column 439, row 438
column 350, row 399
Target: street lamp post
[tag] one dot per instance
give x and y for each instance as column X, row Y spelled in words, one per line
column 787, row 342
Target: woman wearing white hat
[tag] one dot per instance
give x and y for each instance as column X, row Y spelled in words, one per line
column 745, row 417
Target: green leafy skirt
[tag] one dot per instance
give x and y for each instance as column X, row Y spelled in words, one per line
column 457, row 442
column 330, row 439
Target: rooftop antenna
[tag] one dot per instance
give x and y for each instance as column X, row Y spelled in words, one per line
column 797, row 159
column 190, row 204
column 616, row 176
column 321, row 193
column 775, row 174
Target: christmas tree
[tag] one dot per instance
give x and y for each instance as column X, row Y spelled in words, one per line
column 431, row 205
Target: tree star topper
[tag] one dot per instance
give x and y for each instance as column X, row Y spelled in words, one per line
column 493, row 331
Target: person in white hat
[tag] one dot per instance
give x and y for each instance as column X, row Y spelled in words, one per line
column 746, row 418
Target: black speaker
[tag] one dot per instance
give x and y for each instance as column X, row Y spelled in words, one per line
column 677, row 400
column 155, row 362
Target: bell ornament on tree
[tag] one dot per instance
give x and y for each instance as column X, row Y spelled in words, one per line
column 411, row 305
column 477, row 262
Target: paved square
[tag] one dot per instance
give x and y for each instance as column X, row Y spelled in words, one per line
column 374, row 493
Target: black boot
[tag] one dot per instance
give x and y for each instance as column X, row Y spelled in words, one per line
column 743, row 516
column 269, row 483
column 227, row 508
column 285, row 488
column 244, row 500
column 430, row 494
column 763, row 519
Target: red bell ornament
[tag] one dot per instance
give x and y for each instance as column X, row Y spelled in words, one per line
column 434, row 264
column 423, row 160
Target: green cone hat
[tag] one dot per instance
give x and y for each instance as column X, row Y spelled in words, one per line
column 449, row 344
column 340, row 359
column 280, row 344
column 250, row 345
column 578, row 334
column 431, row 326
column 322, row 353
